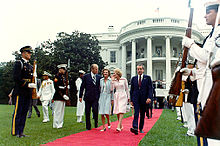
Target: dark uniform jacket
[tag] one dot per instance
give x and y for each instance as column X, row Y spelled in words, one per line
column 60, row 87
column 22, row 76
column 193, row 91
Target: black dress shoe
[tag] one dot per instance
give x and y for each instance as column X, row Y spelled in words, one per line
column 135, row 131
column 23, row 135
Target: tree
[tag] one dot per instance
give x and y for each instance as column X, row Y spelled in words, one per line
column 6, row 80
column 80, row 48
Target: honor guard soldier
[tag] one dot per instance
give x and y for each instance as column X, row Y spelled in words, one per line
column 60, row 96
column 208, row 57
column 23, row 91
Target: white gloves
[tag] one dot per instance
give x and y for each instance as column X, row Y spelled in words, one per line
column 65, row 97
column 32, row 85
column 186, row 71
column 187, row 42
column 185, row 91
column 61, row 87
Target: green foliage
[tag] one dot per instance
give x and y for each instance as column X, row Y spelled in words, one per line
column 80, row 48
column 41, row 133
column 167, row 131
column 6, row 80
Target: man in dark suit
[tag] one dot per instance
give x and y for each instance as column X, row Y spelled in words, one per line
column 23, row 71
column 141, row 94
column 91, row 82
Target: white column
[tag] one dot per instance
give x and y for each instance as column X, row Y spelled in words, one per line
column 123, row 60
column 168, row 64
column 149, row 56
column 133, row 58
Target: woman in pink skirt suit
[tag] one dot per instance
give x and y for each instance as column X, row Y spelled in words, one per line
column 121, row 96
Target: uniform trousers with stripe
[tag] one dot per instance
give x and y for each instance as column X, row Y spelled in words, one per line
column 22, row 102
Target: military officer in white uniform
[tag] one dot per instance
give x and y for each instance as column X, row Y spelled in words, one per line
column 45, row 94
column 80, row 105
column 203, row 75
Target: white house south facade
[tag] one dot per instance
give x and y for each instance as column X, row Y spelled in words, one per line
column 154, row 42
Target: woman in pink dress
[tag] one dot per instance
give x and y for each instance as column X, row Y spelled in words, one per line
column 121, row 96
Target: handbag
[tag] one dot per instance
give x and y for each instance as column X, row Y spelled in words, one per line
column 128, row 108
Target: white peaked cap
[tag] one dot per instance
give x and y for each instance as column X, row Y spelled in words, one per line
column 81, row 71
column 211, row 2
column 62, row 66
column 46, row 74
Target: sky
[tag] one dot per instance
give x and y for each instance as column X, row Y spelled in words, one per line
column 30, row 22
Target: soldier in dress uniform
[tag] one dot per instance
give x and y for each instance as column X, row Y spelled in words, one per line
column 23, row 72
column 45, row 94
column 80, row 105
column 60, row 96
column 211, row 45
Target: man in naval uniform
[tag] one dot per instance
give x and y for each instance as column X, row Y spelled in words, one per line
column 45, row 94
column 23, row 91
column 80, row 105
column 211, row 44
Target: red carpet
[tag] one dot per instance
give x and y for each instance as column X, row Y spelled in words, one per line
column 110, row 137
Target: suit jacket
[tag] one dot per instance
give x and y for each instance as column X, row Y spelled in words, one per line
column 141, row 94
column 92, row 91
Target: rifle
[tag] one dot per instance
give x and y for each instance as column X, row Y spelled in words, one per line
column 34, row 80
column 67, row 83
column 209, row 124
column 176, row 83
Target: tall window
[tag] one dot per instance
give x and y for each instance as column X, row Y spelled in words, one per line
column 113, row 56
column 159, row 74
column 174, row 52
column 159, row 51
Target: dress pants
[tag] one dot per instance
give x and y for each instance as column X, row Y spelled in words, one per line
column 33, row 102
column 149, row 107
column 139, row 108
column 59, row 107
column 45, row 104
column 189, row 111
column 94, row 106
column 20, row 113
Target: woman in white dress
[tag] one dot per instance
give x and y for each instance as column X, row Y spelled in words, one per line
column 106, row 96
column 121, row 96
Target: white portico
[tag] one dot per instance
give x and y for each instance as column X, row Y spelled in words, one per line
column 154, row 42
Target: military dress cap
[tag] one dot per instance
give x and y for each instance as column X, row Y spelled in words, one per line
column 190, row 62
column 46, row 74
column 62, row 66
column 212, row 4
column 81, row 71
column 26, row 49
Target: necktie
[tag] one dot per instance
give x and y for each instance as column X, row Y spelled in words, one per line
column 94, row 80
column 139, row 82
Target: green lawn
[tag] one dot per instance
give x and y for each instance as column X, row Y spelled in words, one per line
column 166, row 131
